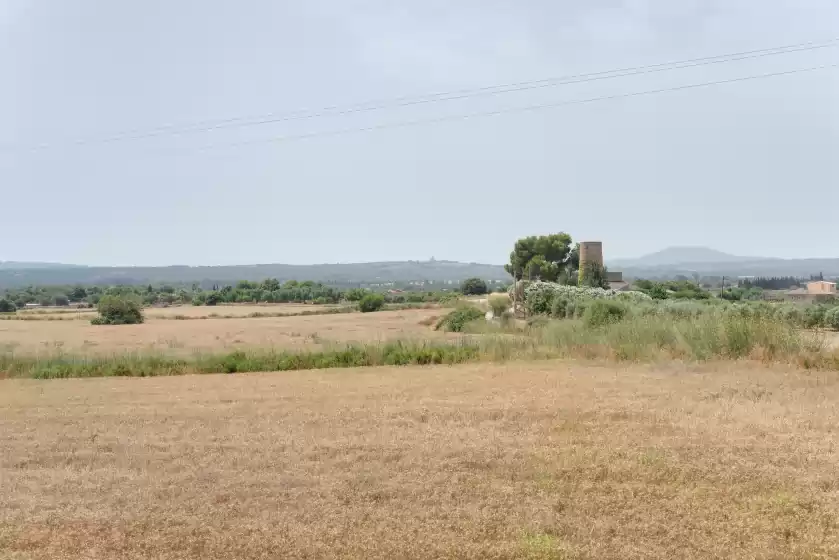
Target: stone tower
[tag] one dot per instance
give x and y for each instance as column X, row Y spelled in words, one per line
column 591, row 252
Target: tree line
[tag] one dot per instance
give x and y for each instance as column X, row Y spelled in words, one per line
column 269, row 290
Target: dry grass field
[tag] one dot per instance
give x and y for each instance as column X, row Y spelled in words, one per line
column 189, row 311
column 527, row 460
column 185, row 337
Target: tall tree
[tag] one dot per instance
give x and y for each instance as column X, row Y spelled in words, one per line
column 545, row 257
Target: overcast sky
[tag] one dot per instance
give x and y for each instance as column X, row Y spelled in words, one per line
column 750, row 167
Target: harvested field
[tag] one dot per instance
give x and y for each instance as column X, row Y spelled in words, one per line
column 185, row 337
column 544, row 460
column 188, row 311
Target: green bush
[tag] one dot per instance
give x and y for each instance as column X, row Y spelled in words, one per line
column 831, row 318
column 559, row 307
column 355, row 294
column 473, row 287
column 7, row 306
column 371, row 302
column 118, row 310
column 814, row 316
column 456, row 320
column 603, row 312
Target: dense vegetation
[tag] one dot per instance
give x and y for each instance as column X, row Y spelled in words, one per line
column 612, row 329
column 771, row 283
column 119, row 310
column 558, row 301
column 436, row 271
column 267, row 291
column 675, row 289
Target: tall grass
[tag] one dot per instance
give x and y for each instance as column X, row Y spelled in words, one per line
column 142, row 364
column 638, row 338
column 708, row 336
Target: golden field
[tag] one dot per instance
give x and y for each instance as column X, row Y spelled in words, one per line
column 188, row 311
column 557, row 460
column 165, row 335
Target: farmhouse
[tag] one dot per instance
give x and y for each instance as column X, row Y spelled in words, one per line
column 814, row 291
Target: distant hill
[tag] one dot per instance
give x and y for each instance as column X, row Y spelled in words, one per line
column 686, row 255
column 13, row 265
column 399, row 271
column 688, row 261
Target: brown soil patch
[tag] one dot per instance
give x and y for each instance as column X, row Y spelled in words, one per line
column 184, row 337
column 546, row 460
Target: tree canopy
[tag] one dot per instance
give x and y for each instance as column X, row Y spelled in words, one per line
column 473, row 287
column 546, row 257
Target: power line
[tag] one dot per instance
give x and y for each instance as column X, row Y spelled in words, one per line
column 406, row 101
column 524, row 109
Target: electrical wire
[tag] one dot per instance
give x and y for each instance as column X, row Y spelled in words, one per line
column 406, row 101
column 523, row 109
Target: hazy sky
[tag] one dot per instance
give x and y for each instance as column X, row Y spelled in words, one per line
column 751, row 168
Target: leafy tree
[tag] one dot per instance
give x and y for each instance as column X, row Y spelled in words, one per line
column 78, row 293
column 271, row 285
column 355, row 294
column 473, row 287
column 7, row 306
column 213, row 298
column 658, row 291
column 61, row 300
column 371, row 302
column 118, row 310
column 544, row 257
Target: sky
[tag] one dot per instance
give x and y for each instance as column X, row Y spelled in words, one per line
column 111, row 151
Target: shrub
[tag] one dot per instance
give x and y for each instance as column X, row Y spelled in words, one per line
column 7, row 306
column 790, row 314
column 559, row 307
column 473, row 287
column 499, row 303
column 118, row 310
column 371, row 302
column 658, row 291
column 603, row 312
column 814, row 316
column 459, row 318
column 355, row 294
column 831, row 318
column 539, row 297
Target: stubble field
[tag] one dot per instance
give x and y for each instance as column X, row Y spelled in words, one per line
column 526, row 460
column 164, row 335
column 188, row 311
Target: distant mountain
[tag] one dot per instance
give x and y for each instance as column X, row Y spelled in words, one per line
column 702, row 261
column 13, row 265
column 686, row 255
column 381, row 272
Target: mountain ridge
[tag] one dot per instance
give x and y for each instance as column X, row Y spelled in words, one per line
column 679, row 255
